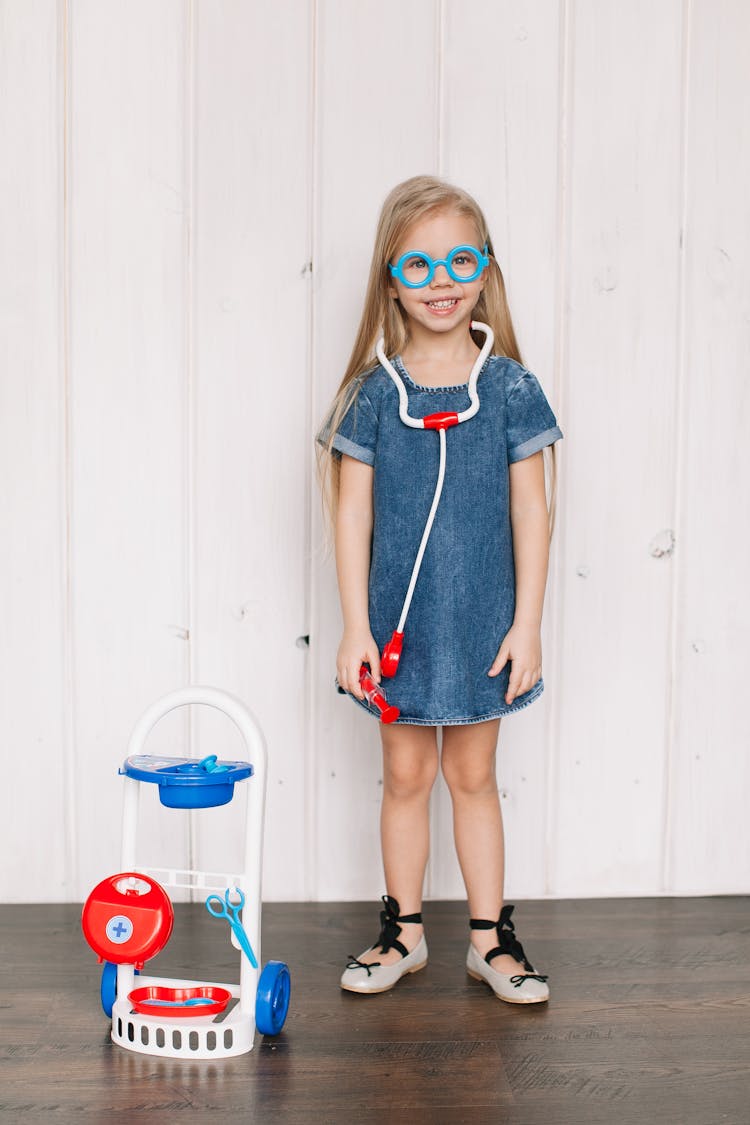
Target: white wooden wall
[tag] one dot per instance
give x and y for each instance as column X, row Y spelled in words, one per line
column 188, row 194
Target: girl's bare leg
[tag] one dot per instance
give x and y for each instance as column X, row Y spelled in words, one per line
column 410, row 763
column 468, row 762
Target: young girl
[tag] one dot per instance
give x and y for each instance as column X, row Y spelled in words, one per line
column 471, row 646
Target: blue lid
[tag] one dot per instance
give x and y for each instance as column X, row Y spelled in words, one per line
column 188, row 783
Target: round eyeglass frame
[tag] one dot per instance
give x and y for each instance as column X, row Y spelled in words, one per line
column 397, row 271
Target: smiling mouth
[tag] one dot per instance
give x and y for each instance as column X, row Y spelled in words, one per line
column 442, row 304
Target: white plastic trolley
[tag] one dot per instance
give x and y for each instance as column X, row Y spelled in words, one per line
column 128, row 917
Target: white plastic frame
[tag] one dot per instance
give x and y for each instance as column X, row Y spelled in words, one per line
column 233, row 1034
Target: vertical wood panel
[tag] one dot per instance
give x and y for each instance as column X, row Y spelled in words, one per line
column 191, row 181
column 500, row 141
column 32, row 413
column 375, row 127
column 252, row 417
column 128, row 361
column 710, row 839
column 624, row 239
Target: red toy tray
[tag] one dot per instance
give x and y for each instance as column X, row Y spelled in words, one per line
column 182, row 1003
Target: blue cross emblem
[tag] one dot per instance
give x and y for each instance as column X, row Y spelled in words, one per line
column 119, row 929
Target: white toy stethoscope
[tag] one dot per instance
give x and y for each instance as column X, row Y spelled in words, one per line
column 441, row 422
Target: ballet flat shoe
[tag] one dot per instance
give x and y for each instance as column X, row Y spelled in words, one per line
column 515, row 988
column 365, row 979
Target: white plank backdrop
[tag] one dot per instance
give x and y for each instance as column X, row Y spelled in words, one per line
column 188, row 195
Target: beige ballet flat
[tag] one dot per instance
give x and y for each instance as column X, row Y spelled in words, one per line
column 515, row 988
column 358, row 976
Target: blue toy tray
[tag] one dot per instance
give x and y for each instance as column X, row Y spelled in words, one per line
column 188, row 783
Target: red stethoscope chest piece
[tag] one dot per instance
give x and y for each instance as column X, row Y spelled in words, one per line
column 127, row 919
column 392, row 654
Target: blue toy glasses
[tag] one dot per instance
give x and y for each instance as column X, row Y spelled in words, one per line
column 415, row 269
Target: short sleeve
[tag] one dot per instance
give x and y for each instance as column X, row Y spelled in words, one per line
column 357, row 431
column 530, row 423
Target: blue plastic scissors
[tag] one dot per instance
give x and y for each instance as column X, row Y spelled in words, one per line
column 221, row 907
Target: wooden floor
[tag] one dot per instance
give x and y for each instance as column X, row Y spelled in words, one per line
column 649, row 1023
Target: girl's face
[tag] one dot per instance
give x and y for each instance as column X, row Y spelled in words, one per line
column 444, row 305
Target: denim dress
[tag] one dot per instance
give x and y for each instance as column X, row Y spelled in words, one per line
column 464, row 600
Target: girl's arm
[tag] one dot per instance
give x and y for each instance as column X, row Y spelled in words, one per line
column 529, row 519
column 354, row 522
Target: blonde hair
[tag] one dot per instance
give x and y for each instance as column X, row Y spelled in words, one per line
column 406, row 204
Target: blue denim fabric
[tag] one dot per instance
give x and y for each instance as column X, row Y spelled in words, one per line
column 464, row 599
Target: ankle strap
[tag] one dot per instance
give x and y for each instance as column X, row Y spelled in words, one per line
column 393, row 913
column 389, row 926
column 502, row 923
column 508, row 942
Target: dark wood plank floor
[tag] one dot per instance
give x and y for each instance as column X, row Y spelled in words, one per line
column 649, row 1023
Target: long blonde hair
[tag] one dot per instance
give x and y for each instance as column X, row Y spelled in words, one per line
column 406, row 204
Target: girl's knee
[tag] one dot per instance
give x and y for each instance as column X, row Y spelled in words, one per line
column 468, row 758
column 410, row 768
column 467, row 774
column 405, row 779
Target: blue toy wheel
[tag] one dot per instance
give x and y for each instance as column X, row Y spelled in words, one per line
column 272, row 998
column 109, row 987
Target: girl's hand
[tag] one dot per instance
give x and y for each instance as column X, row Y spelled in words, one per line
column 523, row 647
column 356, row 649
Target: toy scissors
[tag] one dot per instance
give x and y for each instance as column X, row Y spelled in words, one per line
column 220, row 908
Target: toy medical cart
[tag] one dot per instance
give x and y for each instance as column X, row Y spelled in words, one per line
column 128, row 917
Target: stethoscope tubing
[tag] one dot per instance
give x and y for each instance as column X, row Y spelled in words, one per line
column 419, row 424
column 425, row 535
column 403, row 398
